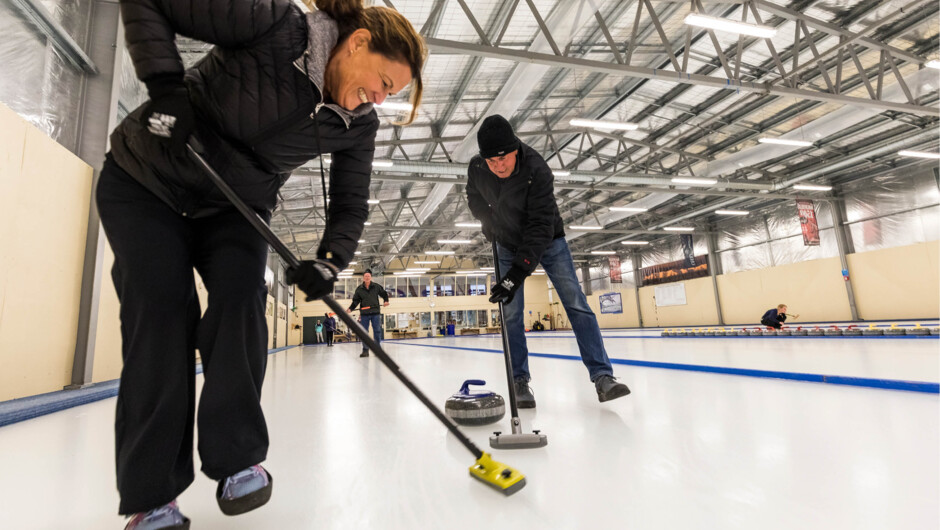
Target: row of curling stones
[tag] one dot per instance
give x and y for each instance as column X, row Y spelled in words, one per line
column 816, row 331
column 475, row 407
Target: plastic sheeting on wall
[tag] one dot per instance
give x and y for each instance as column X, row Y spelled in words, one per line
column 38, row 83
column 669, row 249
column 133, row 92
column 893, row 210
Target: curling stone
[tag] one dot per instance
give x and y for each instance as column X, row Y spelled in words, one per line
column 895, row 330
column 680, row 333
column 872, row 331
column 699, row 332
column 935, row 331
column 475, row 407
column 798, row 332
column 851, row 331
column 917, row 330
column 834, row 331
column 666, row 333
column 710, row 332
column 756, row 332
column 742, row 332
column 815, row 332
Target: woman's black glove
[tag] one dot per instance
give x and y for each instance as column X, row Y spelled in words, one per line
column 505, row 290
column 170, row 114
column 314, row 277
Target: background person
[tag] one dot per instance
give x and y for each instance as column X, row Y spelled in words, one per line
column 367, row 298
column 775, row 317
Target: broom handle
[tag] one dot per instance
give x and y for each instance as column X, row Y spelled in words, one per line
column 503, row 331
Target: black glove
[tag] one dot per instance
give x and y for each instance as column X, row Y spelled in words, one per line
column 505, row 290
column 314, row 277
column 170, row 113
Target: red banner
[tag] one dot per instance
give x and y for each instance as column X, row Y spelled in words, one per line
column 614, row 262
column 808, row 223
column 675, row 271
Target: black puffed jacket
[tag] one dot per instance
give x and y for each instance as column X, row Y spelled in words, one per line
column 520, row 209
column 255, row 94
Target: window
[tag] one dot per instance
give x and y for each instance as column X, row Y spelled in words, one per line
column 339, row 290
column 476, row 285
column 445, row 285
column 425, row 284
column 460, row 285
column 413, row 287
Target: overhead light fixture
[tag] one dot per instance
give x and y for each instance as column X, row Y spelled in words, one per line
column 561, row 173
column 731, row 26
column 679, row 228
column 694, row 181
column 538, row 274
column 581, row 227
column 367, row 223
column 469, row 225
column 410, row 274
column 357, row 252
column 382, row 163
column 627, row 209
column 634, row 242
column 454, row 241
column 439, row 252
column 603, row 252
column 417, row 269
column 354, row 263
column 784, row 141
column 732, row 212
column 811, row 187
column 394, row 105
column 362, row 240
column 932, row 64
column 373, row 201
column 607, row 125
column 471, row 272
column 919, row 154
column 427, row 262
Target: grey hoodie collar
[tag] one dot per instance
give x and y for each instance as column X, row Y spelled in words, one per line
column 322, row 37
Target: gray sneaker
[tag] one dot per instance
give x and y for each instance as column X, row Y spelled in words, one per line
column 524, row 397
column 167, row 517
column 244, row 491
column 608, row 388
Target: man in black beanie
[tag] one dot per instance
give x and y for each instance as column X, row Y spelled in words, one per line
column 510, row 190
column 367, row 297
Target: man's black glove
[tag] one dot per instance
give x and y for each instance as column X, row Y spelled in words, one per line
column 170, row 113
column 314, row 277
column 505, row 290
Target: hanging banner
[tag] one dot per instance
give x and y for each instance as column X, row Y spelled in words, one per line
column 688, row 250
column 614, row 262
column 808, row 223
column 675, row 271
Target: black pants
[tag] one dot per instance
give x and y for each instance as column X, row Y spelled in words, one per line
column 329, row 337
column 155, row 252
column 772, row 323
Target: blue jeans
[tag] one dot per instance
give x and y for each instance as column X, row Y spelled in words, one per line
column 376, row 321
column 557, row 262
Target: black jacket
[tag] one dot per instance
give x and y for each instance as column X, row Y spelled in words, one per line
column 368, row 299
column 772, row 316
column 255, row 95
column 520, row 210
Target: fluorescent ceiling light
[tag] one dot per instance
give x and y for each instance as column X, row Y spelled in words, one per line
column 454, row 241
column 439, row 252
column 679, row 228
column 394, row 105
column 731, row 26
column 634, row 242
column 732, row 212
column 919, row 154
column 373, row 201
column 354, row 263
column 417, row 269
column 362, row 240
column 538, row 274
column 932, row 64
column 357, row 252
column 427, row 262
column 367, row 223
column 382, row 163
column 561, row 173
column 581, row 227
column 487, row 268
column 601, row 124
column 604, row 252
column 471, row 272
column 627, row 209
column 693, row 180
column 409, row 274
column 784, row 141
column 469, row 225
column 811, row 187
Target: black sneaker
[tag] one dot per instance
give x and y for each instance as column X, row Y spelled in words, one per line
column 365, row 353
column 608, row 388
column 524, row 397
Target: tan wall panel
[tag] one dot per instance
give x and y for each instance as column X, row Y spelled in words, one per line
column 699, row 310
column 899, row 282
column 44, row 203
column 812, row 289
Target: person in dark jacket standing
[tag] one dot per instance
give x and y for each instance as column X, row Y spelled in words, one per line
column 510, row 190
column 329, row 328
column 367, row 298
column 774, row 318
column 279, row 87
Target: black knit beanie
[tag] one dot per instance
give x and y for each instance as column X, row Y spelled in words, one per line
column 495, row 137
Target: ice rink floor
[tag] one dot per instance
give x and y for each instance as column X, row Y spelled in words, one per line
column 352, row 449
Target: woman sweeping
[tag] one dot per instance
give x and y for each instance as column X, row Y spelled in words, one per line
column 279, row 87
